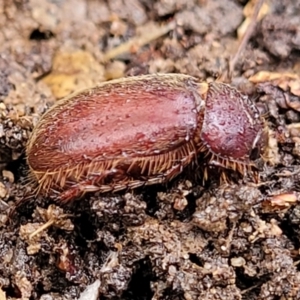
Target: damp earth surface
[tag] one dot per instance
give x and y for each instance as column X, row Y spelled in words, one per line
column 186, row 239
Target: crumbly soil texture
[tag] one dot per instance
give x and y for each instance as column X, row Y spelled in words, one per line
column 183, row 240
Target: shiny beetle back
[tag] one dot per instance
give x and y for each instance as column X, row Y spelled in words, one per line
column 139, row 131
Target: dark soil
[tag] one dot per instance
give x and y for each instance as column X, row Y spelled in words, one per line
column 183, row 240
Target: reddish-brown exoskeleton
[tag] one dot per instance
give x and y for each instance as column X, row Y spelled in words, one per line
column 142, row 130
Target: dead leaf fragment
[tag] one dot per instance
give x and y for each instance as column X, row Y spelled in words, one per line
column 263, row 76
column 73, row 71
column 286, row 81
column 2, row 295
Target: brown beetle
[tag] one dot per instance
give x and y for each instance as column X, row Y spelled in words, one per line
column 141, row 130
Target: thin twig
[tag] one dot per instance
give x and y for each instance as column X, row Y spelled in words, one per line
column 246, row 36
column 243, row 292
column 42, row 228
column 139, row 41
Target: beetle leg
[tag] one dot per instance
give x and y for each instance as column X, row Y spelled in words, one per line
column 77, row 190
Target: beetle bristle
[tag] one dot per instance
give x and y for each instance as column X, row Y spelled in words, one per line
column 98, row 173
column 242, row 167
